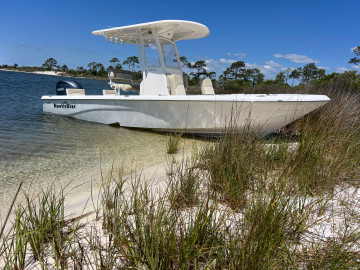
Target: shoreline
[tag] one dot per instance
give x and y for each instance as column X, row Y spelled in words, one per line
column 54, row 73
column 83, row 207
column 76, row 207
column 51, row 73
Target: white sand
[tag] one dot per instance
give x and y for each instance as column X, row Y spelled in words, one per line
column 51, row 73
column 157, row 175
column 341, row 214
column 75, row 207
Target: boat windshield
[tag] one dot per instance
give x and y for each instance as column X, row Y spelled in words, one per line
column 169, row 53
column 151, row 54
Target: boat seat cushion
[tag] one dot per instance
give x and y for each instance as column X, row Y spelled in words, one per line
column 176, row 84
column 207, row 87
column 121, row 86
column 122, row 75
column 108, row 92
column 75, row 92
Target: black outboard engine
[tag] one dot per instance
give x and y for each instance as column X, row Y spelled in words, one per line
column 61, row 87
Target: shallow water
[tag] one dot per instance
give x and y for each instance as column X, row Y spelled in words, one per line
column 40, row 148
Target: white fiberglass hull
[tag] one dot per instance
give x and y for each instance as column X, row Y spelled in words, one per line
column 203, row 114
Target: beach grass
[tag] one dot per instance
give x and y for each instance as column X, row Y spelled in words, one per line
column 240, row 202
column 173, row 144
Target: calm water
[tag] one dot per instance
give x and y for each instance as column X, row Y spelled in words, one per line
column 40, row 148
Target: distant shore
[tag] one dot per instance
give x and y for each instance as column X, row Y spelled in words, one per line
column 54, row 73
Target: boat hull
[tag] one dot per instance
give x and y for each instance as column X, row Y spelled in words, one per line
column 203, row 115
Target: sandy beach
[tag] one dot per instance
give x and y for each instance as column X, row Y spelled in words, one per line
column 51, row 72
column 327, row 219
column 78, row 205
column 156, row 175
column 84, row 205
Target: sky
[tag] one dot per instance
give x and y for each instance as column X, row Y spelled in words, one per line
column 268, row 35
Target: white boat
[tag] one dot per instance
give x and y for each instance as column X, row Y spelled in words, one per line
column 162, row 104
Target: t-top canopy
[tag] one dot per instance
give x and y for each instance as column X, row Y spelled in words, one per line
column 171, row 29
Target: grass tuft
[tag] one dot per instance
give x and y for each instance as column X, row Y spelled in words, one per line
column 173, row 144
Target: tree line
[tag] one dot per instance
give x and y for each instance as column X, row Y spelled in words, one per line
column 94, row 68
column 236, row 76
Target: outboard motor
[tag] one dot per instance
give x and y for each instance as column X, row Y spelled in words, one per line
column 61, row 87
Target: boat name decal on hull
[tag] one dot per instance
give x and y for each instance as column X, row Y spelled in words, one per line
column 64, row 106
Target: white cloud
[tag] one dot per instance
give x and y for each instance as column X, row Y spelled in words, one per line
column 341, row 69
column 252, row 65
column 202, row 57
column 272, row 63
column 355, row 66
column 270, row 68
column 227, row 61
column 217, row 65
column 290, row 69
column 237, row 55
column 352, row 49
column 211, row 62
column 240, row 55
column 296, row 58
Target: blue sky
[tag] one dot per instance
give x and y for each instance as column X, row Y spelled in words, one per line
column 269, row 35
